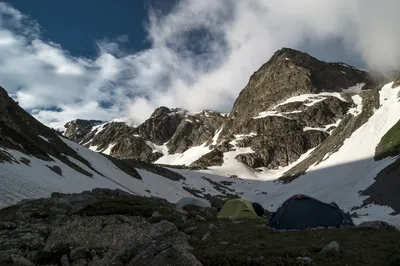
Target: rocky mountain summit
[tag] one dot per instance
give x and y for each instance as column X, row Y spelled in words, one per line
column 290, row 105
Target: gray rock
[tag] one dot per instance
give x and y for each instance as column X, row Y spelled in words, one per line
column 78, row 129
column 96, row 261
column 78, row 253
column 332, row 247
column 7, row 225
column 201, row 218
column 79, row 262
column 97, row 232
column 64, row 260
column 206, row 235
column 5, row 258
column 32, row 255
column 304, row 259
column 157, row 244
column 374, row 224
column 21, row 261
column 155, row 214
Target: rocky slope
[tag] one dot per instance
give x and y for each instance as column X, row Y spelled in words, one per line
column 36, row 161
column 112, row 227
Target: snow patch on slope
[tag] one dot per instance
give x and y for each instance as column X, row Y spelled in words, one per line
column 314, row 98
column 186, row 158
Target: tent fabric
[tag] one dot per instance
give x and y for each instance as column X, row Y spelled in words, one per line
column 302, row 211
column 237, row 209
column 191, row 201
column 258, row 208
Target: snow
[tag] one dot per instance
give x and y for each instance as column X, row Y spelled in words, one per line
column 186, row 158
column 158, row 148
column 351, row 169
column 314, row 98
column 357, row 88
column 268, row 113
column 94, row 148
column 44, row 138
column 355, row 111
column 98, row 128
column 324, row 129
column 108, row 149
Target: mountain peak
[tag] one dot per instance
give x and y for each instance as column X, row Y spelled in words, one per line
column 289, row 73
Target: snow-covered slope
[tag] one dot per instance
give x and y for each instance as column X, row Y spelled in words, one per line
column 35, row 179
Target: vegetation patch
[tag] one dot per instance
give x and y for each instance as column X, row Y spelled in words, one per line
column 389, row 144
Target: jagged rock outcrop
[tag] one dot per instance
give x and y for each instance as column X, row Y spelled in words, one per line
column 195, row 130
column 213, row 158
column 78, row 129
column 162, row 124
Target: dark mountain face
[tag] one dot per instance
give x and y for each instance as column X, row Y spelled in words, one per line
column 277, row 132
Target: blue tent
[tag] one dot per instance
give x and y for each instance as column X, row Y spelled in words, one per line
column 302, row 211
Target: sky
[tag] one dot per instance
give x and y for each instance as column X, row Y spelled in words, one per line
column 97, row 59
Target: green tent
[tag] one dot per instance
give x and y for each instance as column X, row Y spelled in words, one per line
column 237, row 209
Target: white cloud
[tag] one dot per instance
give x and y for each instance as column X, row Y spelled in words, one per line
column 202, row 55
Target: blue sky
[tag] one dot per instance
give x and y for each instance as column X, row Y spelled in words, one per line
column 102, row 59
column 77, row 25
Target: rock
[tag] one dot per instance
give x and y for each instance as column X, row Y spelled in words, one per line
column 157, row 244
column 155, row 214
column 201, row 218
column 77, row 129
column 21, row 261
column 32, row 255
column 304, row 259
column 212, row 226
column 78, row 253
column 204, row 238
column 374, row 224
column 96, row 261
column 64, row 260
column 190, row 230
column 79, row 262
column 94, row 232
column 332, row 247
column 5, row 258
column 7, row 225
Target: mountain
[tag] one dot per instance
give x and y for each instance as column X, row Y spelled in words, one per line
column 289, row 106
column 299, row 126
